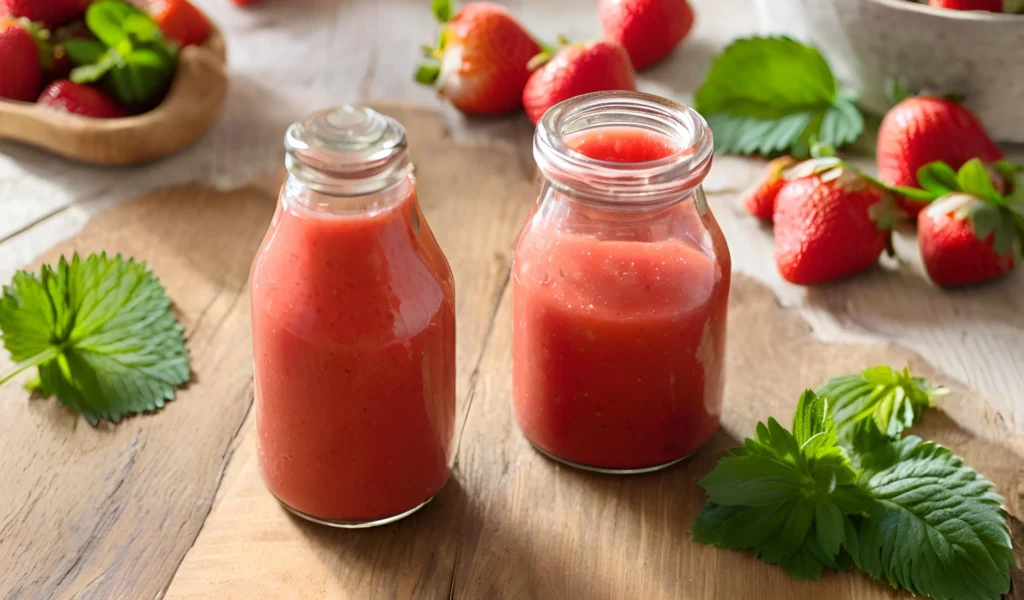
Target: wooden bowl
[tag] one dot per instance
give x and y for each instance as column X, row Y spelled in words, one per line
column 189, row 109
column 869, row 42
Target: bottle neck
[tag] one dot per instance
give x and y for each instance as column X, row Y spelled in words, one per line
column 347, row 152
column 300, row 195
column 650, row 152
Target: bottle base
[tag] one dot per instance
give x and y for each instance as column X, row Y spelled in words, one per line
column 607, row 471
column 356, row 524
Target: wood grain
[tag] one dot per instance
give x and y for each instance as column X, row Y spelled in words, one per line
column 192, row 105
column 108, row 512
column 513, row 524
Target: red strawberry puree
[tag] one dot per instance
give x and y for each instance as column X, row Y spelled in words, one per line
column 354, row 338
column 619, row 338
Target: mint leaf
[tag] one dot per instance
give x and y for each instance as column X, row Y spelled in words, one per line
column 773, row 94
column 785, row 500
column 876, row 405
column 84, row 52
column 941, row 531
column 105, row 19
column 90, row 73
column 101, row 332
column 131, row 57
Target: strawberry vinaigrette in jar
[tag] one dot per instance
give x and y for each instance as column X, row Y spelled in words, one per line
column 353, row 329
column 620, row 287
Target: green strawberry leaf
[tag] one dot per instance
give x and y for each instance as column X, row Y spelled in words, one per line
column 975, row 180
column 428, row 72
column 941, row 530
column 876, row 405
column 769, row 95
column 101, row 332
column 812, row 417
column 990, row 220
column 938, row 178
column 443, row 9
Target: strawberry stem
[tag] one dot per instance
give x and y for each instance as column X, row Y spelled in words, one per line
column 44, row 356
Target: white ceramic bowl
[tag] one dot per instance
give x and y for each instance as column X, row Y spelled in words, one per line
column 868, row 42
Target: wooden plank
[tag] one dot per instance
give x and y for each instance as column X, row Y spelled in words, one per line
column 109, row 511
column 515, row 525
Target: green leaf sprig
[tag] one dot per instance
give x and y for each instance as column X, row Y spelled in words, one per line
column 773, row 94
column 843, row 488
column 971, row 194
column 786, row 496
column 129, row 55
column 100, row 331
column 877, row 404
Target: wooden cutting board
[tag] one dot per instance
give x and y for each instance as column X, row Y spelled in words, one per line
column 172, row 504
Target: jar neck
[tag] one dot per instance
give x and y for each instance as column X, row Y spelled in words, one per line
column 672, row 176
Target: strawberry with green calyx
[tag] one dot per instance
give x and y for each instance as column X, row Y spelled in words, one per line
column 831, row 221
column 480, row 61
column 970, row 232
column 574, row 69
column 925, row 129
column 760, row 201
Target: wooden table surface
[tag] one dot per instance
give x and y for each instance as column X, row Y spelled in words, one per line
column 287, row 59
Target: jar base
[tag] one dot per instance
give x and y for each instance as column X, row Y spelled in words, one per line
column 356, row 524
column 607, row 471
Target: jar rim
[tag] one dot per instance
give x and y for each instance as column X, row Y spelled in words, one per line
column 624, row 183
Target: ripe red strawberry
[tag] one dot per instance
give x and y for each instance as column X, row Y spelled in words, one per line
column 829, row 223
column 181, row 22
column 20, row 73
column 648, row 29
column 953, row 251
column 80, row 100
column 989, row 5
column 50, row 12
column 483, row 57
column 577, row 69
column 924, row 129
column 760, row 201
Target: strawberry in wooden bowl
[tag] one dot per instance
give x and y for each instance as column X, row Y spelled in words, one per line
column 122, row 86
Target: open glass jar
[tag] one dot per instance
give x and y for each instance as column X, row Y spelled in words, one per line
column 620, row 287
column 353, row 317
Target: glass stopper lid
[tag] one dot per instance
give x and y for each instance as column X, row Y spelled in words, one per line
column 347, row 150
